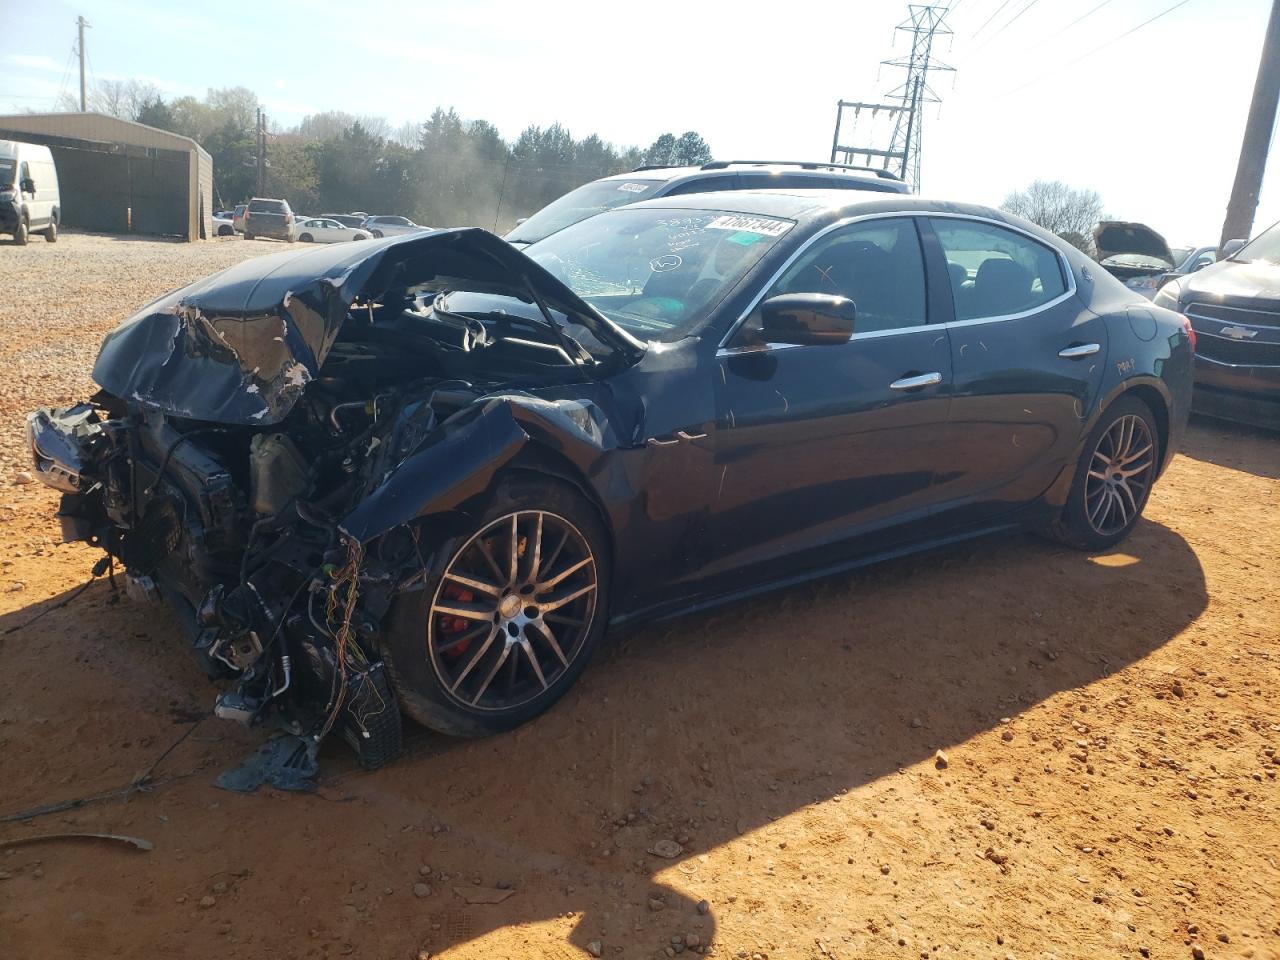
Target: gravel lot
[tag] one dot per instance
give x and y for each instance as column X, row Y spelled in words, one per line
column 1005, row 749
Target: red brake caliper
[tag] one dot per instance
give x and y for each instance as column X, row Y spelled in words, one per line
column 451, row 626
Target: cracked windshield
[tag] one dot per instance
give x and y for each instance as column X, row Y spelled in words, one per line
column 654, row 272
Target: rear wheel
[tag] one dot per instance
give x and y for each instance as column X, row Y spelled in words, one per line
column 378, row 234
column 20, row 233
column 1113, row 479
column 509, row 615
column 306, row 238
column 51, row 234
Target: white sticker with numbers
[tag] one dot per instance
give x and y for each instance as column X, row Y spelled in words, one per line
column 765, row 226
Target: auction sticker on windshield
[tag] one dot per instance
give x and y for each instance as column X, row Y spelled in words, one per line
column 765, row 226
column 634, row 187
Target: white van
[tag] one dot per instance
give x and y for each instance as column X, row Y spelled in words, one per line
column 29, row 201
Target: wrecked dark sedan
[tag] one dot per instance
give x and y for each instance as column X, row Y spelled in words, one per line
column 422, row 475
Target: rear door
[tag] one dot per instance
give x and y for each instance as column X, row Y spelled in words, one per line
column 826, row 450
column 1028, row 360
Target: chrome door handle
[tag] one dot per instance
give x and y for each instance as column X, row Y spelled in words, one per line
column 1078, row 351
column 914, row 383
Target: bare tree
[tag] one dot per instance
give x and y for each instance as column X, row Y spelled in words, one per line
column 124, row 99
column 1070, row 213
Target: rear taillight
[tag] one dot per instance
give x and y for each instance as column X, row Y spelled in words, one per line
column 1190, row 332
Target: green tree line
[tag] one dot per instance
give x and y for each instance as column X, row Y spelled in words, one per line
column 443, row 171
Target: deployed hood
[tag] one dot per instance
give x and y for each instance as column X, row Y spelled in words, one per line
column 240, row 346
column 1131, row 244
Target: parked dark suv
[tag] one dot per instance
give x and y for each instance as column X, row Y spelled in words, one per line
column 1234, row 307
column 646, row 183
column 268, row 218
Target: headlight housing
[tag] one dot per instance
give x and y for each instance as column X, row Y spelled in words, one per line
column 1169, row 295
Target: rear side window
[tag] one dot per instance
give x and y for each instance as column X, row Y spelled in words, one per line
column 267, row 206
column 996, row 272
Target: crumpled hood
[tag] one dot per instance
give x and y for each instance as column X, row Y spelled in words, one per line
column 1115, row 238
column 240, row 346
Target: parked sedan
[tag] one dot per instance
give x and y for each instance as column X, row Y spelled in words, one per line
column 1234, row 306
column 391, row 226
column 423, row 475
column 322, row 230
column 224, row 223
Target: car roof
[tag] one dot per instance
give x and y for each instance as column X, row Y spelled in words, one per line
column 813, row 205
column 658, row 174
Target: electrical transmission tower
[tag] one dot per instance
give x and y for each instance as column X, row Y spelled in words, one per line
column 925, row 23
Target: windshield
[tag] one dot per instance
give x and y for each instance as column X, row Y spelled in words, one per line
column 586, row 201
column 655, row 272
column 6, row 172
column 1265, row 247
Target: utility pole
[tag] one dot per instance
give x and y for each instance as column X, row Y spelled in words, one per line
column 81, row 23
column 905, row 110
column 262, row 153
column 924, row 23
column 1257, row 136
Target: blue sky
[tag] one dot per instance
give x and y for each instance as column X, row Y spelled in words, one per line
column 1152, row 121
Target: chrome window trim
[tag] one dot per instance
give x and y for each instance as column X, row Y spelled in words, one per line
column 1069, row 278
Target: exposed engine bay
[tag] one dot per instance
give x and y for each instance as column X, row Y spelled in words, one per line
column 263, row 462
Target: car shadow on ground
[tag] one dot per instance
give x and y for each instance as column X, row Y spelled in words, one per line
column 700, row 732
column 1234, row 446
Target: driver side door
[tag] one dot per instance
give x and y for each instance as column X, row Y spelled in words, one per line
column 824, row 451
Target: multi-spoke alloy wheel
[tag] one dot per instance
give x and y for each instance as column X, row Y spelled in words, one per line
column 1120, row 475
column 512, row 610
column 1118, row 465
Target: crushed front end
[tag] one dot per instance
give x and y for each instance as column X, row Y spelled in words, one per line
column 266, row 442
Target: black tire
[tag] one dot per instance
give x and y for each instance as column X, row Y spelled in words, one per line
column 248, row 236
column 51, row 234
column 225, row 231
column 20, row 233
column 306, row 238
column 371, row 722
column 414, row 662
column 377, row 234
column 1084, row 521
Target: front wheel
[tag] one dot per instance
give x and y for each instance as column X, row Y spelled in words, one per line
column 1113, row 479
column 377, row 234
column 20, row 233
column 306, row 238
column 509, row 614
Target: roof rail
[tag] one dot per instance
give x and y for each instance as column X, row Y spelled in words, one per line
column 658, row 166
column 803, row 165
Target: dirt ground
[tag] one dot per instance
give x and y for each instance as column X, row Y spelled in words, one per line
column 1107, row 786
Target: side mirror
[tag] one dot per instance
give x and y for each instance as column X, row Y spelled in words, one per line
column 1232, row 247
column 521, row 220
column 28, row 185
column 807, row 319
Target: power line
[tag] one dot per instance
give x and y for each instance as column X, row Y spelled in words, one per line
column 1008, row 23
column 1054, row 36
column 66, row 73
column 1097, row 49
column 989, row 19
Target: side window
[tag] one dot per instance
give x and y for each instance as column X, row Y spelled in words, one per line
column 996, row 272
column 877, row 264
column 24, row 173
column 705, row 185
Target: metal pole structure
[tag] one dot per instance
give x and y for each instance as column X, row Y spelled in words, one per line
column 1257, row 136
column 835, row 141
column 81, row 23
column 262, row 153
